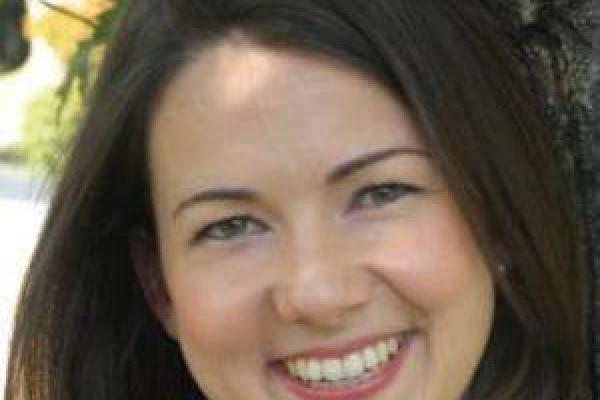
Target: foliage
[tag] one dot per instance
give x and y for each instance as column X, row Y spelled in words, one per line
column 61, row 27
column 82, row 64
column 46, row 133
column 79, row 36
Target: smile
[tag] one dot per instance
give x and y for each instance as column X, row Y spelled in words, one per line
column 354, row 376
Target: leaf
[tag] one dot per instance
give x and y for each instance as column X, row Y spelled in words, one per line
column 81, row 66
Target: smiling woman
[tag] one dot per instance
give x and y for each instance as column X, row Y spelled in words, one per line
column 316, row 273
column 307, row 200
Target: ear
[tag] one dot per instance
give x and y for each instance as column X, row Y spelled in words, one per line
column 146, row 264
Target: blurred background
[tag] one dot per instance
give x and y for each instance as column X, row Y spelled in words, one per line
column 49, row 53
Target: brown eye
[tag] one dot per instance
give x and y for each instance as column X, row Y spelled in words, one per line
column 230, row 229
column 380, row 195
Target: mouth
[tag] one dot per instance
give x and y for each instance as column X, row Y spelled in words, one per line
column 355, row 374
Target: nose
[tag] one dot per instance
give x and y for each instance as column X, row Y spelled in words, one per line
column 320, row 283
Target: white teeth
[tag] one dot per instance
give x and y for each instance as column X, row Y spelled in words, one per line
column 314, row 370
column 370, row 358
column 353, row 365
column 382, row 351
column 292, row 367
column 350, row 367
column 392, row 346
column 332, row 370
column 302, row 367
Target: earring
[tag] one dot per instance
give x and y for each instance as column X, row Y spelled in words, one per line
column 503, row 269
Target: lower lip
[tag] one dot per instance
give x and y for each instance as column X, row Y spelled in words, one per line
column 381, row 379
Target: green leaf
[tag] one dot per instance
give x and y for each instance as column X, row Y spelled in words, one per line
column 81, row 67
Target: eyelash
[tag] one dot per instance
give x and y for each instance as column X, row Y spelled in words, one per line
column 396, row 189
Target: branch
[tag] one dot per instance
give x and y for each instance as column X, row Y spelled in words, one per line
column 69, row 13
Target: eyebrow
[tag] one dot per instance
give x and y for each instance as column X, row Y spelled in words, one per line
column 352, row 166
column 339, row 173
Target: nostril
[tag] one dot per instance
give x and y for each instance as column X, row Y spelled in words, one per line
column 327, row 301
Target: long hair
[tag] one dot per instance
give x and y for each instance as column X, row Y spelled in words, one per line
column 83, row 330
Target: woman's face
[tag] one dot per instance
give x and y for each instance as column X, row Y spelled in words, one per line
column 310, row 249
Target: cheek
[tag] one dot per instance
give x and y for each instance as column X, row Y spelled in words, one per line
column 211, row 314
column 433, row 261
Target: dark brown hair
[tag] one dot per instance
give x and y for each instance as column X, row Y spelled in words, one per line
column 83, row 330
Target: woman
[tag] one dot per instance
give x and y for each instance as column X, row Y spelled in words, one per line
column 314, row 200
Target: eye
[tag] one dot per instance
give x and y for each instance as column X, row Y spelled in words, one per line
column 382, row 194
column 230, row 228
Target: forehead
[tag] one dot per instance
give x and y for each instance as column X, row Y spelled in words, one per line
column 244, row 102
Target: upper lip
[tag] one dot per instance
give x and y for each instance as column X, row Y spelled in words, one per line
column 341, row 349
